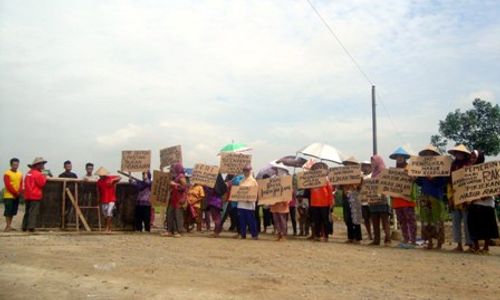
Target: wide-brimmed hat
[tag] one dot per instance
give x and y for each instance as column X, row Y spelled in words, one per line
column 366, row 162
column 36, row 161
column 247, row 167
column 401, row 151
column 430, row 148
column 102, row 172
column 351, row 160
column 459, row 148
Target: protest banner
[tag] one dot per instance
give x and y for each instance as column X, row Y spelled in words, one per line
column 233, row 163
column 170, row 156
column 205, row 175
column 476, row 182
column 429, row 166
column 345, row 175
column 136, row 161
column 369, row 191
column 274, row 190
column 311, row 179
column 244, row 193
column 395, row 183
column 160, row 188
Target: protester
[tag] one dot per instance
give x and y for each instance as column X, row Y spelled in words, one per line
column 194, row 214
column 214, row 203
column 280, row 212
column 89, row 173
column 481, row 219
column 293, row 211
column 106, row 188
column 432, row 204
column 320, row 205
column 246, row 209
column 267, row 215
column 175, row 212
column 67, row 171
column 303, row 210
column 34, row 181
column 349, row 195
column 230, row 210
column 13, row 181
column 405, row 208
column 379, row 211
column 142, row 217
column 366, row 169
column 459, row 212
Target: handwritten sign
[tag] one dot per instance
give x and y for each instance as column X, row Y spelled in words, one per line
column 233, row 163
column 345, row 175
column 244, row 193
column 369, row 191
column 160, row 188
column 136, row 161
column 311, row 179
column 170, row 156
column 205, row 175
column 395, row 182
column 274, row 190
column 429, row 166
column 475, row 182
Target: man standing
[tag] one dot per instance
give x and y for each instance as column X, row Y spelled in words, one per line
column 89, row 176
column 67, row 171
column 106, row 187
column 13, row 181
column 34, row 182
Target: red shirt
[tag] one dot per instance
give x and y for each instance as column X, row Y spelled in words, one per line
column 177, row 194
column 322, row 196
column 106, row 187
column 33, row 185
column 400, row 203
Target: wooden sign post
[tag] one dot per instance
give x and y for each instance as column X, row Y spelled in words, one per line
column 233, row 163
column 160, row 188
column 429, row 166
column 345, row 175
column 312, row 179
column 476, row 182
column 205, row 175
column 244, row 193
column 136, row 161
column 395, row 182
column 170, row 156
column 369, row 191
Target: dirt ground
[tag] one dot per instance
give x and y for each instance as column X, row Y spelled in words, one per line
column 68, row 265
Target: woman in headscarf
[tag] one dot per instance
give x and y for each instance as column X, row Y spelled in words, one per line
column 459, row 212
column 366, row 169
column 214, row 203
column 432, row 204
column 246, row 209
column 481, row 219
column 320, row 204
column 379, row 211
column 175, row 212
column 143, row 204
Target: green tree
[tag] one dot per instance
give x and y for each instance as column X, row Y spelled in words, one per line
column 477, row 128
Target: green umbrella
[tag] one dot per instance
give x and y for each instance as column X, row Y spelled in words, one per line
column 235, row 147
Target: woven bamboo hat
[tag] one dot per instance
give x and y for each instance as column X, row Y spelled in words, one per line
column 429, row 149
column 102, row 172
column 36, row 161
column 459, row 148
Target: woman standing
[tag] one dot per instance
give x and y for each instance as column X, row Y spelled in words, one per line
column 366, row 169
column 320, row 204
column 214, row 203
column 175, row 212
column 246, row 209
column 481, row 219
column 143, row 204
column 459, row 212
column 432, row 204
column 280, row 212
column 379, row 211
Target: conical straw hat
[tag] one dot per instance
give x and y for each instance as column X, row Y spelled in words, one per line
column 460, row 148
column 102, row 172
column 351, row 160
column 429, row 148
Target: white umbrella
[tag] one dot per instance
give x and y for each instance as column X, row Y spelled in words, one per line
column 322, row 152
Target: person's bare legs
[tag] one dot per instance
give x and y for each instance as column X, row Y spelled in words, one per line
column 108, row 224
column 8, row 223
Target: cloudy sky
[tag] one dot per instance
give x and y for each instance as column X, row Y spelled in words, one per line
column 83, row 80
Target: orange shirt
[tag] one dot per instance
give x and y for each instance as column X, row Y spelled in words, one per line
column 322, row 196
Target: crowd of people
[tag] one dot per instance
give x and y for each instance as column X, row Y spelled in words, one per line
column 196, row 207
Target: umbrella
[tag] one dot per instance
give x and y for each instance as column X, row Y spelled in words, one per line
column 273, row 168
column 292, row 161
column 322, row 152
column 235, row 147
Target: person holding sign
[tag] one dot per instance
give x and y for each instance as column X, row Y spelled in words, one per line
column 351, row 204
column 459, row 212
column 432, row 204
column 246, row 209
column 366, row 169
column 175, row 212
column 142, row 217
column 106, row 189
column 321, row 203
column 405, row 209
column 195, row 195
column 214, row 203
column 379, row 211
column 481, row 219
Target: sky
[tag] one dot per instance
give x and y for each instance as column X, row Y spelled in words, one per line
column 84, row 80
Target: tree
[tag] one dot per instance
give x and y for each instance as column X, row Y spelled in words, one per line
column 477, row 128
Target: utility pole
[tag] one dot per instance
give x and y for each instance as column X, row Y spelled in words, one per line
column 374, row 121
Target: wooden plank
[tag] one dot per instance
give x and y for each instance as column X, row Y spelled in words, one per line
column 63, row 215
column 77, row 208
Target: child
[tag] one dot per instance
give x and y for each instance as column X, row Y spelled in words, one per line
column 106, row 188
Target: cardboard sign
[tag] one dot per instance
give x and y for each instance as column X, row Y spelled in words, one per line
column 475, row 182
column 395, row 182
column 274, row 190
column 170, row 156
column 233, row 163
column 311, row 179
column 205, row 175
column 244, row 193
column 136, row 161
column 345, row 175
column 369, row 191
column 160, row 188
column 429, row 166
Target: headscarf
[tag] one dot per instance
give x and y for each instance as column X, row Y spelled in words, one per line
column 179, row 172
column 378, row 165
column 220, row 186
column 143, row 184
